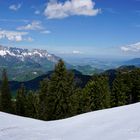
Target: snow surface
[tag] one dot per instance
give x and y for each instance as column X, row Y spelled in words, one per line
column 121, row 123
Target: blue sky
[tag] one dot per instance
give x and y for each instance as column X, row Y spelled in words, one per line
column 93, row 28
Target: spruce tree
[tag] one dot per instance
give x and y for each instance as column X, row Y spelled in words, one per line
column 135, row 86
column 0, row 102
column 76, row 102
column 32, row 105
column 21, row 101
column 61, row 88
column 106, row 93
column 96, row 94
column 6, row 104
column 119, row 91
column 43, row 96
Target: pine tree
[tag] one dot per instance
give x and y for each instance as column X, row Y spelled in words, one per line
column 106, row 92
column 119, row 91
column 6, row 104
column 0, row 102
column 76, row 102
column 135, row 86
column 21, row 101
column 43, row 106
column 61, row 88
column 32, row 105
column 96, row 94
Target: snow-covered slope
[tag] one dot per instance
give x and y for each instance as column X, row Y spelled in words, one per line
column 122, row 123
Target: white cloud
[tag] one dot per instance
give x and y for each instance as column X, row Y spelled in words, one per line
column 35, row 25
column 15, row 7
column 131, row 48
column 45, row 32
column 58, row 10
column 76, row 52
column 12, row 35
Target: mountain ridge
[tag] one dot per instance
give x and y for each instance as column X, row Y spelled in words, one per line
column 134, row 61
column 80, row 80
column 23, row 62
column 23, row 53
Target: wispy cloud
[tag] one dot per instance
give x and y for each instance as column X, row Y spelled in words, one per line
column 15, row 7
column 77, row 52
column 45, row 32
column 131, row 48
column 29, row 39
column 74, row 52
column 35, row 25
column 37, row 9
column 59, row 10
column 12, row 35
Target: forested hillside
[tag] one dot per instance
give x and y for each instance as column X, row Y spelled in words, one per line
column 60, row 97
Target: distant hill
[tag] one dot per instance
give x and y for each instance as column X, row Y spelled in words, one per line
column 88, row 69
column 135, row 61
column 80, row 80
column 24, row 64
column 113, row 72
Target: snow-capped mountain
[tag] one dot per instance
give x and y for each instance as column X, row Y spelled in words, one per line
column 22, row 54
column 24, row 63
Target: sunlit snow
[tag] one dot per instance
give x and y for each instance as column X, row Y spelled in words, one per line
column 121, row 123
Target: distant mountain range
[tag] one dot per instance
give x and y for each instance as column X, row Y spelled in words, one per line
column 80, row 80
column 24, row 64
column 135, row 62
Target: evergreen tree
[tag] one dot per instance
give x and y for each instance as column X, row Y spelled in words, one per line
column 119, row 91
column 61, row 88
column 127, row 83
column 76, row 102
column 96, row 94
column 6, row 104
column 106, row 93
column 43, row 106
column 135, row 86
column 21, row 101
column 32, row 105
column 0, row 102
